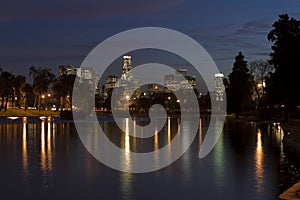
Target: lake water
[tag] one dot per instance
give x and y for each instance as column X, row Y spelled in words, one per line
column 42, row 159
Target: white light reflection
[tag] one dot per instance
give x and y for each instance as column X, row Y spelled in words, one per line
column 126, row 178
column 46, row 152
column 219, row 162
column 127, row 142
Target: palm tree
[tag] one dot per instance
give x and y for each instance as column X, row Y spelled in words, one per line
column 62, row 88
column 26, row 91
column 17, row 83
column 5, row 88
column 42, row 78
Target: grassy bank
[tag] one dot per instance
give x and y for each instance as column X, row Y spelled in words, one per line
column 22, row 113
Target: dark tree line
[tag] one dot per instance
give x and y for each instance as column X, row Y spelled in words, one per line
column 239, row 86
column 10, row 88
column 277, row 78
column 283, row 85
column 15, row 91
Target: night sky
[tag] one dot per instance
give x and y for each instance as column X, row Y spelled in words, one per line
column 50, row 33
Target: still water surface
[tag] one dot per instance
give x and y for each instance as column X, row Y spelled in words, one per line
column 42, row 159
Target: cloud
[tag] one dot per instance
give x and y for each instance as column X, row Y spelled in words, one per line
column 254, row 28
column 58, row 9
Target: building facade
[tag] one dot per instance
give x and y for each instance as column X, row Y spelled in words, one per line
column 219, row 87
column 180, row 80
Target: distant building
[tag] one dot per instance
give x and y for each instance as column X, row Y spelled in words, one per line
column 127, row 66
column 183, row 72
column 111, row 82
column 85, row 74
column 67, row 70
column 126, row 85
column 219, row 86
column 180, row 80
column 127, row 81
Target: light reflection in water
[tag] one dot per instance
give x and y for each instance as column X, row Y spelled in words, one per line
column 49, row 147
column 127, row 142
column 259, row 165
column 46, row 153
column 279, row 134
column 169, row 131
column 156, row 147
column 156, row 144
column 126, row 178
column 24, row 150
column 134, row 134
column 184, row 132
column 43, row 148
column 219, row 154
column 200, row 133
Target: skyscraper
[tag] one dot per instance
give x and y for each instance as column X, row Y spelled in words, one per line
column 130, row 86
column 180, row 80
column 219, row 86
column 127, row 66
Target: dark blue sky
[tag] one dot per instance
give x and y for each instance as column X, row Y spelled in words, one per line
column 50, row 33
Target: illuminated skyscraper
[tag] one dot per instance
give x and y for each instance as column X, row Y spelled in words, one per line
column 219, row 86
column 180, row 80
column 129, row 85
column 127, row 66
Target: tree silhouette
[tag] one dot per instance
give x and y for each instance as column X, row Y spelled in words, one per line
column 26, row 92
column 17, row 83
column 260, row 70
column 282, row 88
column 42, row 78
column 62, row 88
column 6, row 79
column 239, row 87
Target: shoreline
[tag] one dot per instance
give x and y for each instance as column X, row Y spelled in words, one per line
column 14, row 112
column 291, row 145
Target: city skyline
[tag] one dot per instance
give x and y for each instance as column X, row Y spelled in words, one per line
column 51, row 34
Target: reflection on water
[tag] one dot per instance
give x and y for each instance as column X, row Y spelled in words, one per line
column 259, row 163
column 219, row 157
column 127, row 142
column 46, row 152
column 169, row 131
column 126, row 178
column 24, row 151
column 200, row 133
column 241, row 166
column 126, row 159
column 30, row 134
